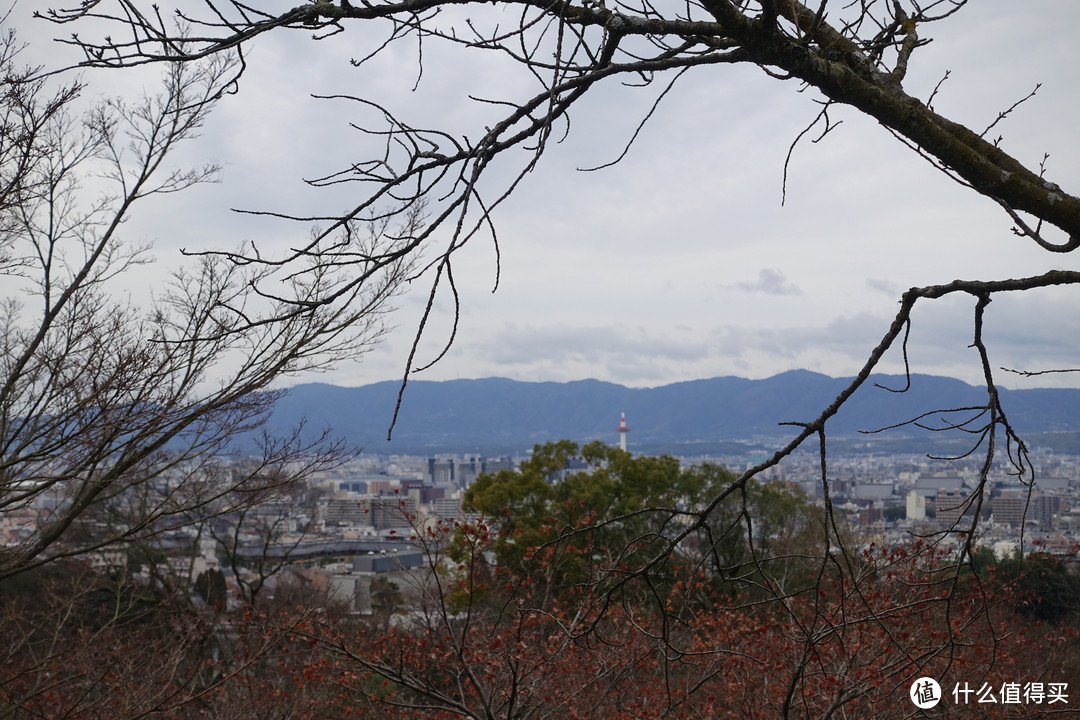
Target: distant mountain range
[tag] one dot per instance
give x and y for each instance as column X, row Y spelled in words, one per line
column 725, row 414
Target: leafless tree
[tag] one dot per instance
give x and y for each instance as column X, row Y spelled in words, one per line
column 855, row 54
column 118, row 417
column 128, row 414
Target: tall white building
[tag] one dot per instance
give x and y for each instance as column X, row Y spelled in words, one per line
column 916, row 506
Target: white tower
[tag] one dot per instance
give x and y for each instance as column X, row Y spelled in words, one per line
column 916, row 506
column 623, row 429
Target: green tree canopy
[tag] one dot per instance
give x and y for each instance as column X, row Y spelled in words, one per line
column 622, row 511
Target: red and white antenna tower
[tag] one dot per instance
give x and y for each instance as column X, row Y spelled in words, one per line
column 623, row 429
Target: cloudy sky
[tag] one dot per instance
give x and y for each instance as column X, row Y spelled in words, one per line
column 679, row 262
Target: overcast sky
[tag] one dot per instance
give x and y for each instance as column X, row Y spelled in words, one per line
column 679, row 262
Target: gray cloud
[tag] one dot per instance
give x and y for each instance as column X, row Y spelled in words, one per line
column 771, row 281
column 522, row 345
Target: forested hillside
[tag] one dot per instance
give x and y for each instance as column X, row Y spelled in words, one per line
column 498, row 414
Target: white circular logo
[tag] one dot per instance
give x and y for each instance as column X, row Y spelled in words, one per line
column 925, row 693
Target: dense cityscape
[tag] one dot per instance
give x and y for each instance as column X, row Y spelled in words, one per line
column 355, row 522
